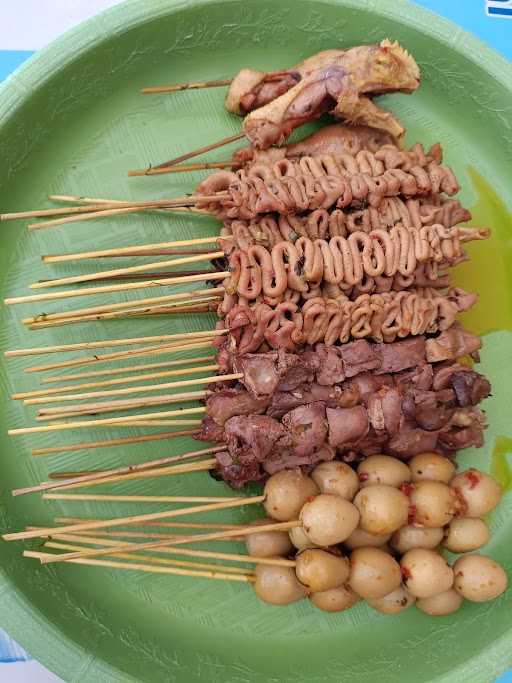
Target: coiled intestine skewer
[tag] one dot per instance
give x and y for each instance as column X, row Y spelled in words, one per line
column 251, row 196
column 341, row 261
column 381, row 317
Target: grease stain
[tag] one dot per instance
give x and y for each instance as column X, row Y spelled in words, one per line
column 488, row 272
column 501, row 465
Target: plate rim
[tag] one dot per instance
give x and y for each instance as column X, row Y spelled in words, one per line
column 17, row 615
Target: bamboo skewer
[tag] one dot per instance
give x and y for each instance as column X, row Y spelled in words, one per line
column 146, row 312
column 184, row 168
column 184, row 552
column 160, row 423
column 127, row 469
column 195, row 295
column 45, row 557
column 86, row 213
column 128, row 251
column 109, row 343
column 126, row 368
column 58, row 258
column 125, row 271
column 133, row 519
column 49, row 391
column 151, row 545
column 154, row 275
column 159, row 560
column 129, row 207
column 204, row 304
column 187, row 468
column 237, row 571
column 70, row 210
column 139, row 422
column 78, row 199
column 138, row 534
column 153, row 90
column 90, row 205
column 236, row 533
column 173, row 525
column 58, row 476
column 116, row 498
column 109, row 443
column 121, row 355
column 122, row 287
column 122, row 404
column 189, row 155
column 88, row 216
column 86, row 424
column 212, row 379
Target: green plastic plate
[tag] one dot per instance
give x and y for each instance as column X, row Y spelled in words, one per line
column 72, row 121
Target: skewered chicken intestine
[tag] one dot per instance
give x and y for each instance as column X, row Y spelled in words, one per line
column 343, row 163
column 431, row 275
column 338, row 138
column 250, row 196
column 306, row 263
column 323, row 224
column 381, row 317
column 337, row 81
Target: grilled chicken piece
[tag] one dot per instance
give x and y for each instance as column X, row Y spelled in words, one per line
column 342, row 83
column 251, row 89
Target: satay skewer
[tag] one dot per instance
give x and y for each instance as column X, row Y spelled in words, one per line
column 195, row 295
column 135, row 519
column 186, row 468
column 117, row 498
column 45, row 557
column 191, row 85
column 194, row 565
column 86, row 211
column 201, row 304
column 82, row 200
column 127, row 369
column 109, row 343
column 110, row 382
column 128, row 251
column 121, row 355
column 184, row 168
column 87, row 277
column 99, row 408
column 170, row 525
column 183, row 552
column 130, row 390
column 159, row 423
column 94, row 409
column 154, row 275
column 189, row 155
column 123, row 441
column 113, row 421
column 107, row 289
column 243, row 530
column 139, row 534
column 127, row 469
